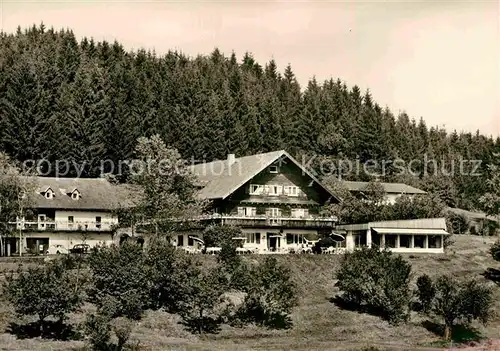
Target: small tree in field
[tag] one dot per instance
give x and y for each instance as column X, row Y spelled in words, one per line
column 426, row 292
column 378, row 279
column 16, row 188
column 224, row 236
column 491, row 200
column 99, row 329
column 462, row 302
column 167, row 185
column 43, row 291
column 119, row 282
column 168, row 271
column 202, row 295
column 495, row 251
column 271, row 295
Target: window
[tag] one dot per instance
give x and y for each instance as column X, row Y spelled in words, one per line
column 48, row 194
column 291, row 190
column 256, row 189
column 71, row 219
column 75, row 196
column 247, row 211
column 390, row 240
column 359, row 240
column 405, row 241
column 274, row 190
column 294, row 239
column 190, row 241
column 274, row 212
column 419, row 241
column 180, row 240
column 273, row 169
column 98, row 222
column 253, row 238
column 435, row 241
column 300, row 212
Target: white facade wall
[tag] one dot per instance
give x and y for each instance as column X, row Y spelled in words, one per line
column 264, row 243
column 267, row 234
column 70, row 239
column 83, row 218
column 69, row 234
column 351, row 245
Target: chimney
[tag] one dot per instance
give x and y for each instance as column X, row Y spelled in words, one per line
column 231, row 159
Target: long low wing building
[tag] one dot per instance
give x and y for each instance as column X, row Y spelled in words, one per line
column 406, row 236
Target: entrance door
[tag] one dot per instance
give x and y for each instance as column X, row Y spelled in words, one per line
column 180, row 240
column 10, row 246
column 272, row 243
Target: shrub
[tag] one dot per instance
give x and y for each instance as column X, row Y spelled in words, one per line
column 202, row 295
column 122, row 327
column 425, row 292
column 97, row 328
column 463, row 302
column 234, row 270
column 168, row 270
column 457, row 223
column 491, row 227
column 223, row 237
column 119, row 281
column 43, row 291
column 495, row 251
column 271, row 295
column 376, row 279
column 218, row 235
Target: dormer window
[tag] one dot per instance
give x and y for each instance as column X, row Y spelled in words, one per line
column 48, row 194
column 273, row 169
column 75, row 194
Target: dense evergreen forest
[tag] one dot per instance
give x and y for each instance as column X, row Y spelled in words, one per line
column 87, row 101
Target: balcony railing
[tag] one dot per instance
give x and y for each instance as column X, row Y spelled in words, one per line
column 290, row 222
column 50, row 225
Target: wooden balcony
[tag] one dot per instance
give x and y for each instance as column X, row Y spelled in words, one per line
column 285, row 222
column 52, row 225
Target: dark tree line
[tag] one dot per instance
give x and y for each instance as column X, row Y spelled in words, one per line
column 88, row 101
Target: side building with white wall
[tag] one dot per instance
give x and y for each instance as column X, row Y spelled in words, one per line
column 65, row 212
column 403, row 236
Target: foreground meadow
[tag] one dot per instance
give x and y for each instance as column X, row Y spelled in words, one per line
column 318, row 324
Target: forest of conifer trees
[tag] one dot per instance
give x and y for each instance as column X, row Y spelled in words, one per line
column 89, row 101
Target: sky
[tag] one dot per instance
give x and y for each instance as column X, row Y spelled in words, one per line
column 439, row 60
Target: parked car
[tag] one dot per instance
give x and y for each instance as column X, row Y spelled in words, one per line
column 56, row 250
column 80, row 249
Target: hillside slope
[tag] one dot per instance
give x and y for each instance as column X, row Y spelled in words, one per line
column 318, row 323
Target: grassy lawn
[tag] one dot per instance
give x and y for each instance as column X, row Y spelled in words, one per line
column 318, row 323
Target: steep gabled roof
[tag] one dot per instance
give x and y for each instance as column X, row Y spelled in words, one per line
column 390, row 188
column 97, row 194
column 219, row 179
